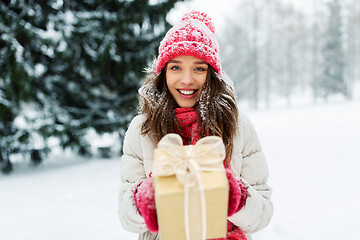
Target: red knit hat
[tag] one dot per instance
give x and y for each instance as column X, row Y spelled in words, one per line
column 193, row 36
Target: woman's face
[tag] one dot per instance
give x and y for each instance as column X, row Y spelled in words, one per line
column 185, row 79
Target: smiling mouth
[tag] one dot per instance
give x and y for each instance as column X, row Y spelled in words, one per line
column 187, row 92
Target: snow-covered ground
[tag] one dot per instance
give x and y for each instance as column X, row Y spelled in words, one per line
column 314, row 160
column 313, row 155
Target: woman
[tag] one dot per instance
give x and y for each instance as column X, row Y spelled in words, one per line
column 187, row 93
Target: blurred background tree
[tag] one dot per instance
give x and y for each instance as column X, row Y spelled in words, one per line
column 70, row 66
column 275, row 51
column 333, row 80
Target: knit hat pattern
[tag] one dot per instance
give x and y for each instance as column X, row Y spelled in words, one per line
column 193, row 36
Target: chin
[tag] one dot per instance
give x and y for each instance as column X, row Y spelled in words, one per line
column 186, row 105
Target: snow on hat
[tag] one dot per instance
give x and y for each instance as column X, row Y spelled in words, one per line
column 193, row 36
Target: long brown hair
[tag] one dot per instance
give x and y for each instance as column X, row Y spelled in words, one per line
column 216, row 109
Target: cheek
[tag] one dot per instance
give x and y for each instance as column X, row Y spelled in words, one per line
column 169, row 81
column 202, row 82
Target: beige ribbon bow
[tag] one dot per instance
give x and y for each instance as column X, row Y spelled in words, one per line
column 187, row 163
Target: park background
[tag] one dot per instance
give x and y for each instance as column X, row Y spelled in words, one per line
column 69, row 76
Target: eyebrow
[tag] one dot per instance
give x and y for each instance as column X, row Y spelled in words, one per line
column 196, row 62
column 200, row 62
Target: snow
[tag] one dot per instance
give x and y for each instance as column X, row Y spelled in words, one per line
column 73, row 200
column 313, row 157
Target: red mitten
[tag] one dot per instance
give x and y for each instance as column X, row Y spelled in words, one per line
column 237, row 193
column 233, row 233
column 145, row 203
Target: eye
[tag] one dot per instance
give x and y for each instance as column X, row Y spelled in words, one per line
column 200, row 69
column 175, row 68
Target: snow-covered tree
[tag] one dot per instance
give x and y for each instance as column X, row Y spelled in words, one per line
column 21, row 50
column 351, row 44
column 68, row 66
column 264, row 50
column 279, row 48
column 332, row 80
column 242, row 43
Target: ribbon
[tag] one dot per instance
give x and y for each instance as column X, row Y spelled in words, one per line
column 187, row 163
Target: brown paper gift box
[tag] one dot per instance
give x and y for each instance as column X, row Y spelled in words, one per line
column 169, row 200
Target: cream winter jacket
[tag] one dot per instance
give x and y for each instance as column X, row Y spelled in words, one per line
column 248, row 164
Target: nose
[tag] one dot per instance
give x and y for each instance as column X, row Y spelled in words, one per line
column 187, row 78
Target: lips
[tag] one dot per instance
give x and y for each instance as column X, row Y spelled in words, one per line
column 187, row 93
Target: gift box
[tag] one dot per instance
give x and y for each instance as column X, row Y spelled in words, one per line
column 191, row 189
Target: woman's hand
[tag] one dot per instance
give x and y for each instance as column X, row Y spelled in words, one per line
column 237, row 193
column 145, row 202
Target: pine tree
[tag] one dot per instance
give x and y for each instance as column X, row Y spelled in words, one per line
column 78, row 64
column 20, row 51
column 332, row 80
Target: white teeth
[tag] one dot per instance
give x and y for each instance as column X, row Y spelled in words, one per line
column 187, row 92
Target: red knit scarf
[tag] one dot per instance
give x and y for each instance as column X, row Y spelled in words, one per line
column 188, row 120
